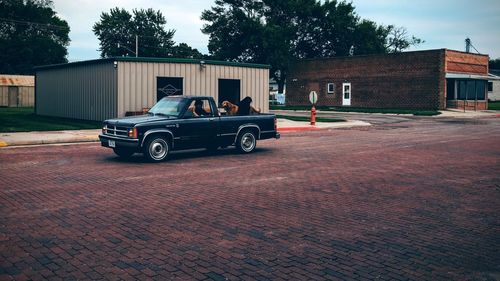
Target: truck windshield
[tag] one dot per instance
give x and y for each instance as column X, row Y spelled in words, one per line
column 168, row 106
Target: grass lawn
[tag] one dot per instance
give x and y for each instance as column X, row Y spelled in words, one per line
column 307, row 119
column 23, row 119
column 494, row 105
column 361, row 110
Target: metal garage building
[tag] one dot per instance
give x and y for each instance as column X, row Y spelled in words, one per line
column 17, row 90
column 112, row 87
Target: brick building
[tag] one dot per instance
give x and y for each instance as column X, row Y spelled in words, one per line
column 432, row 79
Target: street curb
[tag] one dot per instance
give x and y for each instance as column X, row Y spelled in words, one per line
column 298, row 129
column 80, row 139
column 41, row 142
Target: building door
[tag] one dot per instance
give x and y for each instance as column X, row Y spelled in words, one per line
column 346, row 94
column 229, row 89
column 13, row 96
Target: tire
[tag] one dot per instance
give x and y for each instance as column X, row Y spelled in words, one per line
column 123, row 152
column 246, row 141
column 156, row 148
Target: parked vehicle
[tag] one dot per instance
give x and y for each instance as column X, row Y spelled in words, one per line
column 175, row 123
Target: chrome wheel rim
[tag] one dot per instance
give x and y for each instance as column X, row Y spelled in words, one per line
column 248, row 142
column 158, row 149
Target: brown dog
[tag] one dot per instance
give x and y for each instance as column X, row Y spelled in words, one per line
column 231, row 109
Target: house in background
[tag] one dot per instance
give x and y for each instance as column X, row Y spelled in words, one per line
column 494, row 85
column 274, row 96
column 17, row 90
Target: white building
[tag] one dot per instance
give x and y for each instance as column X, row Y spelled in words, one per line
column 494, row 85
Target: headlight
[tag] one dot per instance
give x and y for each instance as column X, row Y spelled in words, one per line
column 104, row 129
column 132, row 133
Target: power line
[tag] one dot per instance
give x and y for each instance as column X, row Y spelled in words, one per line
column 30, row 23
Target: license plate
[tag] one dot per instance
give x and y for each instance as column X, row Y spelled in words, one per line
column 111, row 143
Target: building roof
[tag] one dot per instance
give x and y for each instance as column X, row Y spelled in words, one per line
column 467, row 76
column 156, row 60
column 495, row 72
column 390, row 54
column 494, row 75
column 17, row 80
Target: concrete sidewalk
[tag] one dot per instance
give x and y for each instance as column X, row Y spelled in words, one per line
column 74, row 136
column 48, row 137
column 457, row 113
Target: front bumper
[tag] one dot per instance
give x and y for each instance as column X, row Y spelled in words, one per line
column 119, row 141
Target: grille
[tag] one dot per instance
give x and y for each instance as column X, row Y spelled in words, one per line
column 117, row 131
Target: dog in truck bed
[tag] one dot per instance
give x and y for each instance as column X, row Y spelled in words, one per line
column 243, row 109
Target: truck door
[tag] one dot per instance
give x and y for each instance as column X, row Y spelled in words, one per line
column 199, row 125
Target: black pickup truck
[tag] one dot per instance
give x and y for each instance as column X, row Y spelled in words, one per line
column 175, row 124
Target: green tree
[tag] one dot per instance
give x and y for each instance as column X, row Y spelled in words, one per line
column 399, row 40
column 118, row 29
column 494, row 64
column 280, row 31
column 183, row 50
column 31, row 34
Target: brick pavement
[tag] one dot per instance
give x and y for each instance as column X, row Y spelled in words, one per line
column 416, row 200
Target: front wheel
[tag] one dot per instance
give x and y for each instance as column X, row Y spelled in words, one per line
column 123, row 152
column 246, row 141
column 156, row 149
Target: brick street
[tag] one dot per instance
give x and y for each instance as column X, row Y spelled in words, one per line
column 417, row 199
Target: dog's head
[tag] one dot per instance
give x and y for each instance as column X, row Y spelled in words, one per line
column 226, row 105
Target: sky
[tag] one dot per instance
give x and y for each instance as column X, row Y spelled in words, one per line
column 441, row 23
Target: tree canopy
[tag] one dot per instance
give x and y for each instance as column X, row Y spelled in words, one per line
column 31, row 34
column 117, row 31
column 279, row 31
column 183, row 50
column 494, row 64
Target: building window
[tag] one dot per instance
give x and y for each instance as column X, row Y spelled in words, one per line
column 480, row 90
column 471, row 90
column 330, row 88
column 490, row 86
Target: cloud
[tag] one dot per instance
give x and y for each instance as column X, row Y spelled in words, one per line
column 81, row 15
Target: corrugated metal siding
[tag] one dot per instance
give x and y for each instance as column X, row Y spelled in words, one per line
column 87, row 92
column 137, row 82
column 4, row 96
column 26, row 96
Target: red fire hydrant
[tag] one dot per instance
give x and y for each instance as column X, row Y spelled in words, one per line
column 313, row 115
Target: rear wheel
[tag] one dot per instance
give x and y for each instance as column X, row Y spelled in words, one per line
column 123, row 152
column 156, row 148
column 246, row 141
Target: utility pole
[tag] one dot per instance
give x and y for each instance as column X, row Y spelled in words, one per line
column 467, row 45
column 128, row 49
column 136, row 45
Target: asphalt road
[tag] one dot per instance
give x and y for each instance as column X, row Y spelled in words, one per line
column 412, row 200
